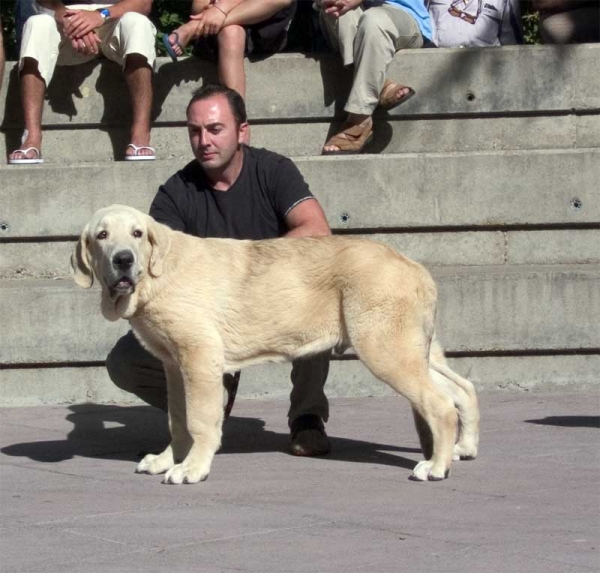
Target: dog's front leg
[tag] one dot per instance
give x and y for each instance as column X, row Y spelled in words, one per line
column 203, row 386
column 181, row 442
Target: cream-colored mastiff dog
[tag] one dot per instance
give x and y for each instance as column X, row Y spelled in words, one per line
column 209, row 306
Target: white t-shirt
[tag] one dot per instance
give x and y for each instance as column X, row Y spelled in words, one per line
column 464, row 23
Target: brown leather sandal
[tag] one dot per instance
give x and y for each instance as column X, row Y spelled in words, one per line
column 388, row 98
column 352, row 139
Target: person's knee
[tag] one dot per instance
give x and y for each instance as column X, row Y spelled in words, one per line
column 119, row 367
column 232, row 39
column 373, row 23
column 137, row 45
column 39, row 23
column 38, row 27
column 136, row 23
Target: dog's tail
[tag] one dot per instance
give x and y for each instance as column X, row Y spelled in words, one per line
column 446, row 371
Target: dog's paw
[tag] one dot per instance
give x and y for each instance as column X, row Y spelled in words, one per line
column 152, row 464
column 424, row 472
column 464, row 451
column 185, row 472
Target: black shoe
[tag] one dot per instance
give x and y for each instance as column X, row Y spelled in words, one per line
column 308, row 436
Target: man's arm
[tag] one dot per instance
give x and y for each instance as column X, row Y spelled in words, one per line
column 78, row 23
column 292, row 199
column 307, row 219
column 338, row 8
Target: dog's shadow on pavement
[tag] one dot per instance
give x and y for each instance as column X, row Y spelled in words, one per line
column 127, row 433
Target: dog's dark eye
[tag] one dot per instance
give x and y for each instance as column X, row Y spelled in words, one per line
column 137, row 234
column 102, row 235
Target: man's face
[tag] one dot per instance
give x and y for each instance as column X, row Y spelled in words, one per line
column 214, row 136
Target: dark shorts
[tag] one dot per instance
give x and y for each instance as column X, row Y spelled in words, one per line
column 266, row 37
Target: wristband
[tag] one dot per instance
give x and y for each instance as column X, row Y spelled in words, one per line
column 104, row 13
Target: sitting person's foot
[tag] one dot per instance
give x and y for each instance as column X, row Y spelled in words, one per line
column 30, row 152
column 308, row 437
column 181, row 37
column 139, row 149
column 354, row 137
column 393, row 94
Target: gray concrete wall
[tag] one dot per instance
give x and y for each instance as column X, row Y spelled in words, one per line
column 372, row 191
column 481, row 309
column 489, row 176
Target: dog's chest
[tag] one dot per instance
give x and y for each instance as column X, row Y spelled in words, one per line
column 151, row 337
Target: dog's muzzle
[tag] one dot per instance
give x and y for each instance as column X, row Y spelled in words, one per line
column 122, row 263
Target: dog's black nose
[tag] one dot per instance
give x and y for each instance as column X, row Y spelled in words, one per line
column 123, row 260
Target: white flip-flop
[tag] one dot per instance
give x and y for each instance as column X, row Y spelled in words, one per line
column 27, row 161
column 136, row 157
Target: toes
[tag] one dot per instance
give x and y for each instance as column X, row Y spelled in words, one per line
column 155, row 464
column 180, row 474
column 464, row 452
column 424, row 472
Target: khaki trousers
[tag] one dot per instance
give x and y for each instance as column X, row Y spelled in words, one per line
column 369, row 38
column 135, row 370
column 131, row 34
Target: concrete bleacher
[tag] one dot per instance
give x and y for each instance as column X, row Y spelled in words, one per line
column 490, row 176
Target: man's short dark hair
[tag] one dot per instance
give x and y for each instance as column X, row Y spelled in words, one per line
column 236, row 102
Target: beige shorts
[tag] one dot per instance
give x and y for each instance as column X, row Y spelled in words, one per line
column 133, row 33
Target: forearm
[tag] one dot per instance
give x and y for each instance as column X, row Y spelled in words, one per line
column 309, row 230
column 307, row 219
column 198, row 6
column 249, row 12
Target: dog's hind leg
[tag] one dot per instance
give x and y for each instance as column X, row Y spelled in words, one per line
column 402, row 364
column 465, row 400
column 464, row 395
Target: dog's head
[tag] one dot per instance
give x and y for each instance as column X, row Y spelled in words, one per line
column 120, row 246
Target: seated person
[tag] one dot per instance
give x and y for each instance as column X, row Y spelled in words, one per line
column 569, row 21
column 463, row 23
column 68, row 34
column 231, row 29
column 368, row 34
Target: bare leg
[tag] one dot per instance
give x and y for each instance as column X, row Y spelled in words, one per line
column 254, row 11
column 232, row 43
column 138, row 76
column 33, row 88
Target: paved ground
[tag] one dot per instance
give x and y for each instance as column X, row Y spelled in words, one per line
column 72, row 503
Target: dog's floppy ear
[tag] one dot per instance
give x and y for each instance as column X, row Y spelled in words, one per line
column 160, row 241
column 80, row 262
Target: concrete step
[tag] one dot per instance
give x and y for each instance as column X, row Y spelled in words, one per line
column 557, row 187
column 392, row 135
column 482, row 309
column 470, row 248
column 291, row 87
column 347, row 378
